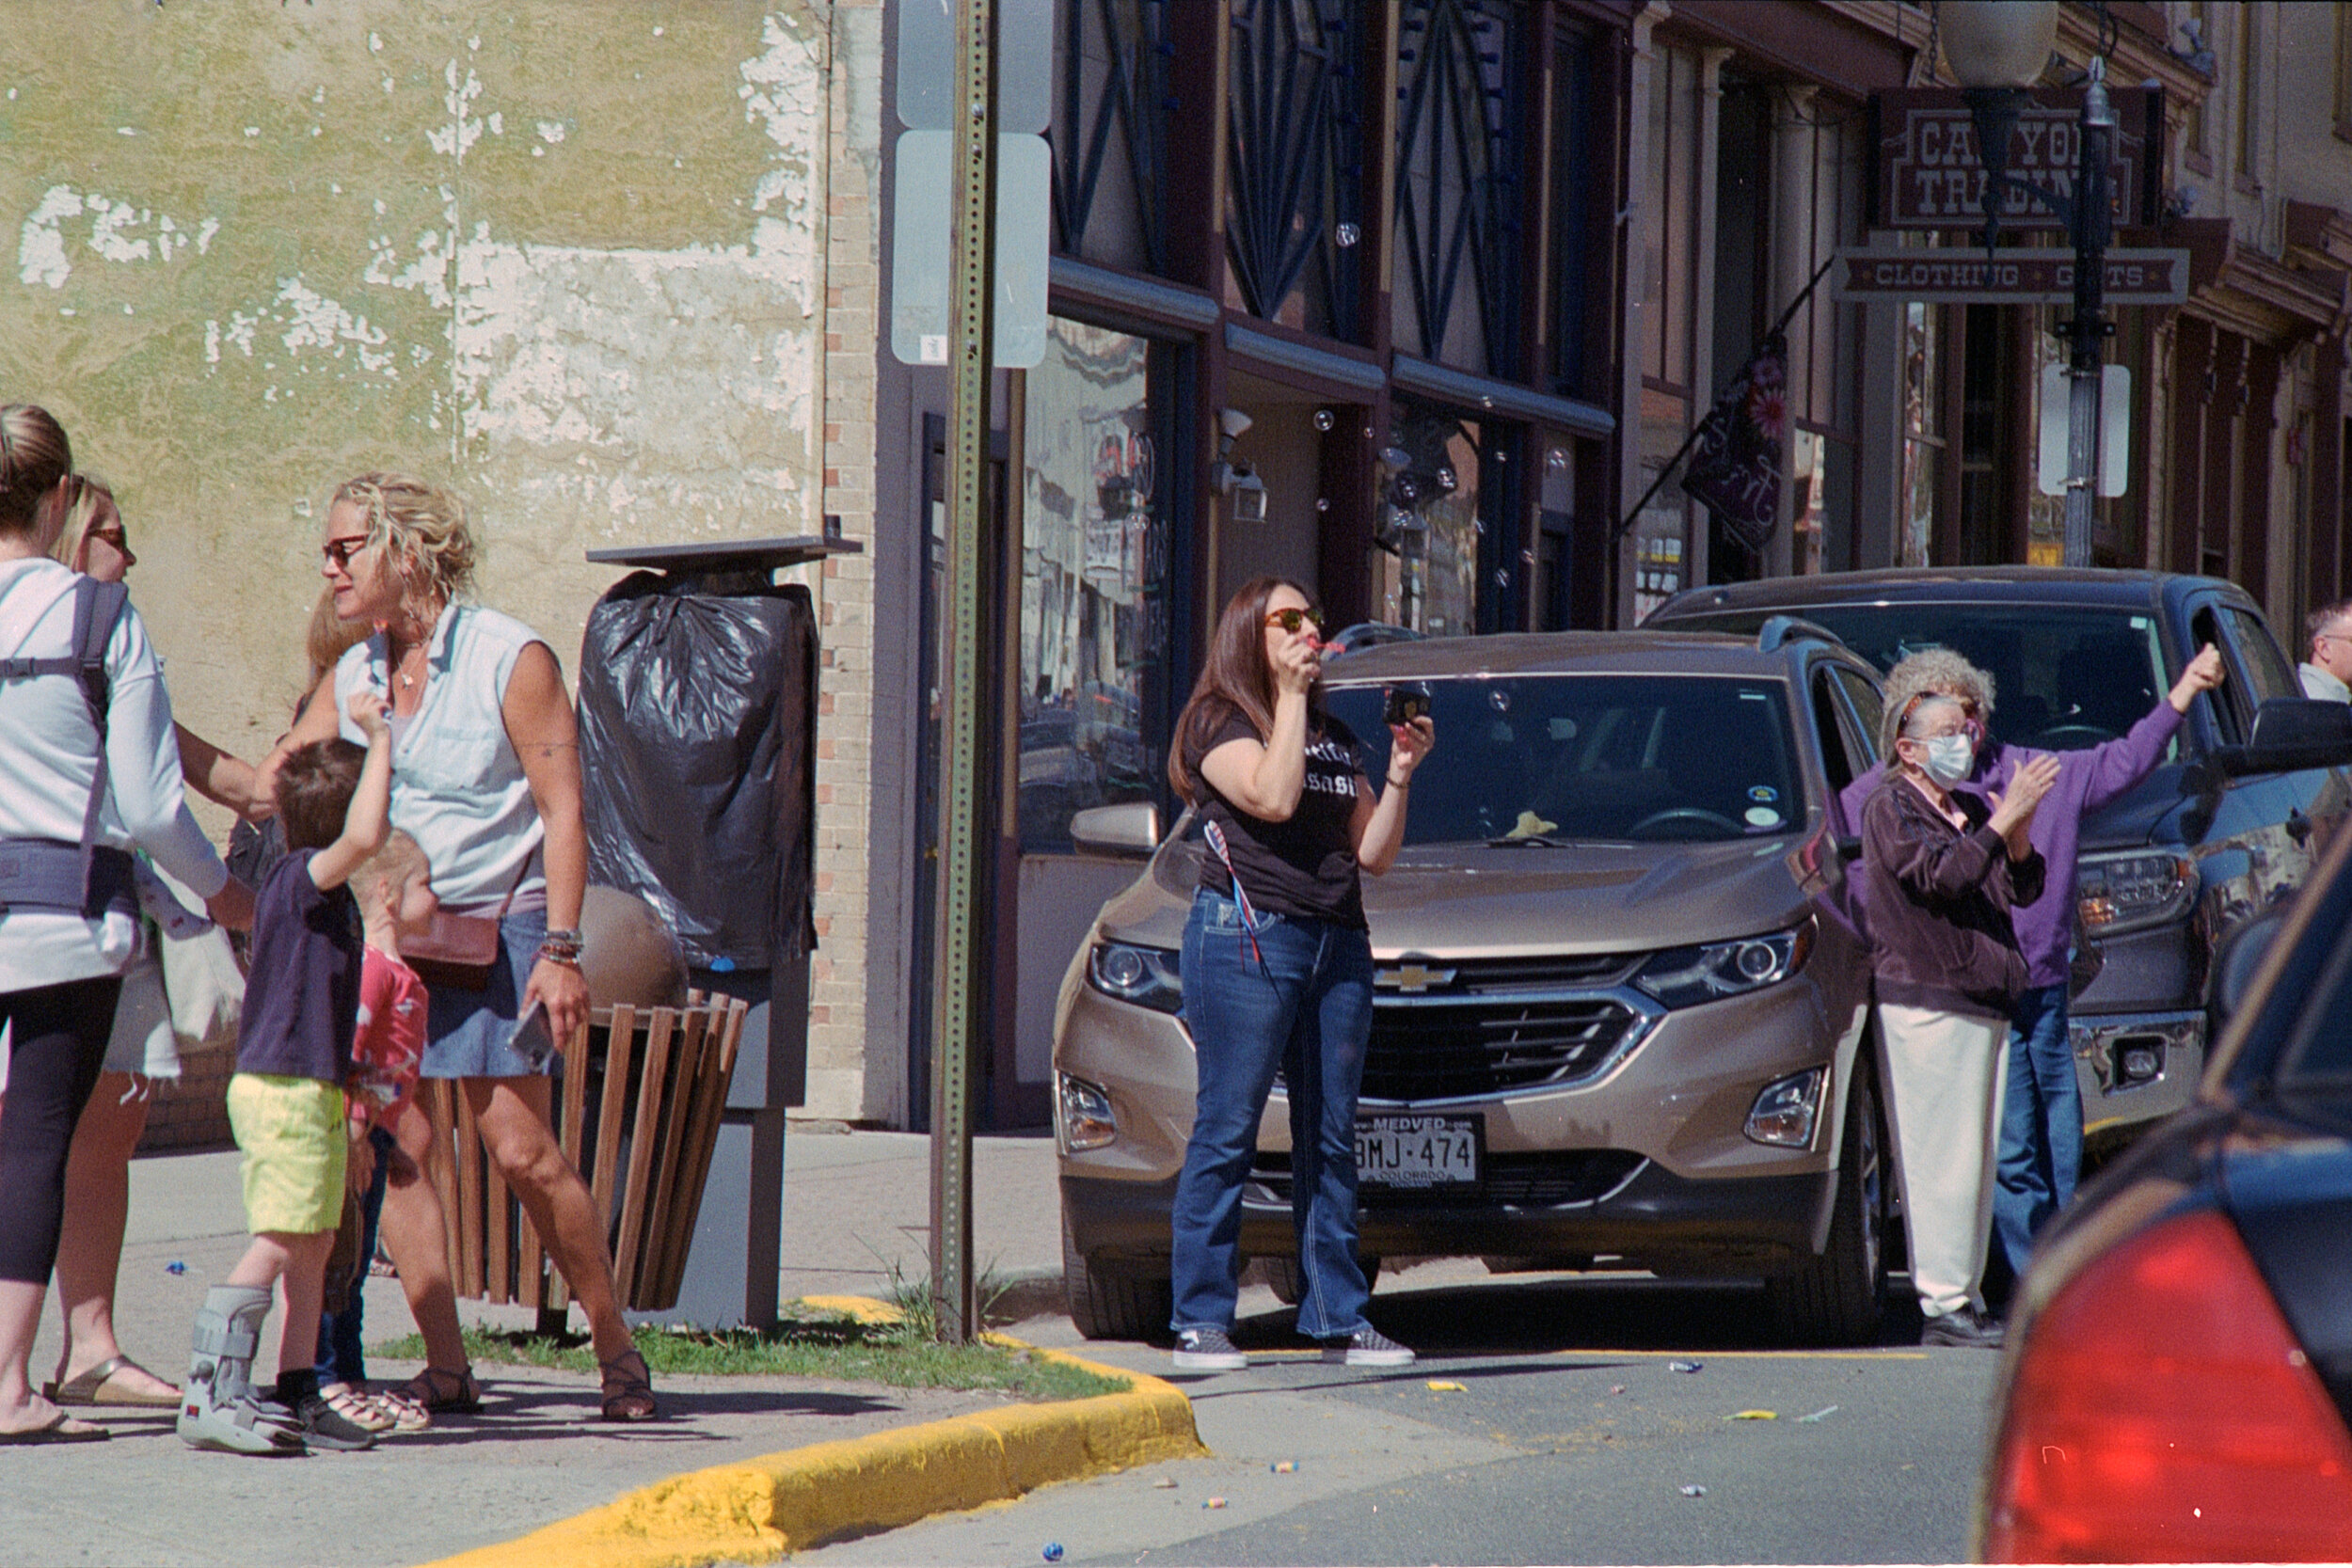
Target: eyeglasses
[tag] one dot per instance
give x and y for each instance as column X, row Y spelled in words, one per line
column 340, row 551
column 1291, row 620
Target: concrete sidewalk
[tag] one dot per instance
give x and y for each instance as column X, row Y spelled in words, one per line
column 855, row 1206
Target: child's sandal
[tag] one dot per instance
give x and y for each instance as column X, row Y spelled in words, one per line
column 355, row 1406
column 628, row 1388
column 405, row 1414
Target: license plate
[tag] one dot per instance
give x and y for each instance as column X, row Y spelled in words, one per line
column 1417, row 1151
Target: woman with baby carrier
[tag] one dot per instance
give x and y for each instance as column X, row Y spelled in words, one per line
column 89, row 771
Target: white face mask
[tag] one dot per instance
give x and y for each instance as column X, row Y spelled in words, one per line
column 1949, row 758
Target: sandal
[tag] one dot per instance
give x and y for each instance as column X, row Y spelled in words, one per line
column 440, row 1391
column 355, row 1406
column 96, row 1387
column 628, row 1388
column 404, row 1415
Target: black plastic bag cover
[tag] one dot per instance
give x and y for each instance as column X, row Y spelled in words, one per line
column 697, row 740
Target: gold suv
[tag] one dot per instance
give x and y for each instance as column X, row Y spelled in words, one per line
column 1620, row 1013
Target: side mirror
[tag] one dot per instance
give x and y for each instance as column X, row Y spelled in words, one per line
column 2292, row 732
column 1127, row 831
column 2240, row 955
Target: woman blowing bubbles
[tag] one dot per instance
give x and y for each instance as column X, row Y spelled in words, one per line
column 1277, row 966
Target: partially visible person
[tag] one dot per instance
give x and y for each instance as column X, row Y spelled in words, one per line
column 88, row 772
column 2042, row 1111
column 286, row 1103
column 1277, row 966
column 94, row 539
column 256, row 843
column 487, row 782
column 2327, row 673
column 1943, row 869
column 395, row 894
column 92, row 1369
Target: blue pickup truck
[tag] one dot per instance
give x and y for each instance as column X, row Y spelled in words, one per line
column 2231, row 821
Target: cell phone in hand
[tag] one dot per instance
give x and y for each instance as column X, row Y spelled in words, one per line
column 1406, row 703
column 534, row 1041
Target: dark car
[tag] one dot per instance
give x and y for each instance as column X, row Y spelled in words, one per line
column 2231, row 820
column 2178, row 1383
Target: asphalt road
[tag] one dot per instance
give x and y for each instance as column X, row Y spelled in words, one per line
column 1570, row 1441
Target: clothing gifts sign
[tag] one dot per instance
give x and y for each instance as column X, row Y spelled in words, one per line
column 1735, row 468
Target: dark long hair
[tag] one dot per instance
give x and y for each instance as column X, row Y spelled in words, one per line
column 1236, row 678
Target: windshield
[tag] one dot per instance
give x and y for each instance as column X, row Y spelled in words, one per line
column 1621, row 757
column 2065, row 677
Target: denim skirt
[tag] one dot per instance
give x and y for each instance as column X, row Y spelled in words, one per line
column 468, row 1032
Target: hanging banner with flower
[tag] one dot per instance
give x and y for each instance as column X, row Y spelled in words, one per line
column 1735, row 466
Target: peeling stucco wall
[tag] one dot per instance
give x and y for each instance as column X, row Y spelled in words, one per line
column 571, row 255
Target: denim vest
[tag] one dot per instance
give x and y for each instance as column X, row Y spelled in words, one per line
column 458, row 787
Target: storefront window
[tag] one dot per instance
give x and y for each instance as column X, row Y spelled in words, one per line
column 1429, row 525
column 1923, row 430
column 1094, row 582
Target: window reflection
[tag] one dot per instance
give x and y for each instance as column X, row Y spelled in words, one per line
column 1093, row 578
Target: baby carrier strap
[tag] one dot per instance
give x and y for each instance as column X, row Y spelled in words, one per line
column 88, row 878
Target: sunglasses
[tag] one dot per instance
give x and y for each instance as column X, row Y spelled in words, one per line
column 1291, row 620
column 340, row 551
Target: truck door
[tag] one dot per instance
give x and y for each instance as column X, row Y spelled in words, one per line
column 2267, row 828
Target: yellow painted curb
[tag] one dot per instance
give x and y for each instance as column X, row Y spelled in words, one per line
column 757, row 1510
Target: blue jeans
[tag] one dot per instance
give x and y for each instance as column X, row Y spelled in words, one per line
column 1306, row 1010
column 342, row 1356
column 2041, row 1124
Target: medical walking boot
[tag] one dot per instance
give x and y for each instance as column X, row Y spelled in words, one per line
column 219, row 1409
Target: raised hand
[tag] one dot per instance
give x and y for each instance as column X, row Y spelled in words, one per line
column 2204, row 673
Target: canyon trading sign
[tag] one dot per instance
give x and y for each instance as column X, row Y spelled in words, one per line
column 1929, row 175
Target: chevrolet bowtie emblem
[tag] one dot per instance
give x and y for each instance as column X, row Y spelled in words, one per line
column 1412, row 977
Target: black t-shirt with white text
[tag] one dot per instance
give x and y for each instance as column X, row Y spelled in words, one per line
column 1304, row 867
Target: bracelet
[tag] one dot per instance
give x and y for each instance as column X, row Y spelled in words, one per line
column 563, row 939
column 1405, row 782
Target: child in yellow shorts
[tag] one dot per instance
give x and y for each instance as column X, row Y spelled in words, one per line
column 286, row 1102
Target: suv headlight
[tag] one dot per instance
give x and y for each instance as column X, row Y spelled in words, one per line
column 1685, row 976
column 1086, row 1119
column 2115, row 893
column 1145, row 976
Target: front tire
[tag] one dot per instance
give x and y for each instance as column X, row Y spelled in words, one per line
column 1112, row 1306
column 1838, row 1297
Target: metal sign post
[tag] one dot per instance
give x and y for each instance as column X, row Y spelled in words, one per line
column 963, row 672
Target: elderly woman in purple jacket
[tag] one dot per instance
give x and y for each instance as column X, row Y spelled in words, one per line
column 2041, row 1116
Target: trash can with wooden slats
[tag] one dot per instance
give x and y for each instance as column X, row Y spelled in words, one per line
column 637, row 1112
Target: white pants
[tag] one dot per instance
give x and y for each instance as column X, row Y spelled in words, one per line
column 1943, row 1078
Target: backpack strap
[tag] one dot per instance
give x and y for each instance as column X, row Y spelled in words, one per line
column 97, row 607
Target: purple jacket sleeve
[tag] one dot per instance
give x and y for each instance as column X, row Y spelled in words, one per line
column 2106, row 771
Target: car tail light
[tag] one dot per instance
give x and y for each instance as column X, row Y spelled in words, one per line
column 2161, row 1411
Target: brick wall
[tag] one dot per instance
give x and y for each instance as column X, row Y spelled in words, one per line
column 837, row 1079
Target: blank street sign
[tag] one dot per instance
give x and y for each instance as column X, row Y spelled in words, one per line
column 1025, row 65
column 921, row 246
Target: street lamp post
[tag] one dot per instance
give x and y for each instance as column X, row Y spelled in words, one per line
column 1996, row 49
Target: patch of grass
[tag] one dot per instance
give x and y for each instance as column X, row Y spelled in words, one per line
column 819, row 1345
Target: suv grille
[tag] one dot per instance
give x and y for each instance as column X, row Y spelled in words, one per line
column 1474, row 976
column 1486, row 1045
column 1545, row 1180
